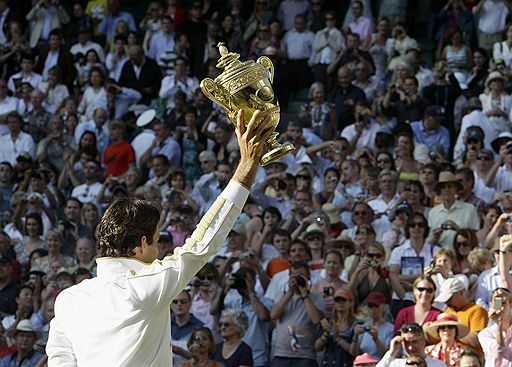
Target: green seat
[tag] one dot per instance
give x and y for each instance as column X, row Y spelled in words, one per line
column 302, row 95
column 294, row 106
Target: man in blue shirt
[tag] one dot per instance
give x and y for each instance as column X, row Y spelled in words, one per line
column 429, row 130
column 183, row 323
column 108, row 24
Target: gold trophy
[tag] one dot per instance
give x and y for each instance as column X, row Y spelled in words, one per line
column 247, row 86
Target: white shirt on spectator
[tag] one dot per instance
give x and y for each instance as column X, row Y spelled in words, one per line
column 89, row 100
column 326, row 48
column 33, row 79
column 7, row 105
column 115, row 65
column 10, row 150
column 502, row 51
column 363, row 26
column 87, row 193
column 50, row 62
column 379, row 206
column 367, row 137
column 389, row 361
column 492, row 17
column 89, row 45
column 482, row 191
column 503, row 179
column 488, row 281
column 170, row 86
column 474, row 118
column 160, row 42
column 298, row 44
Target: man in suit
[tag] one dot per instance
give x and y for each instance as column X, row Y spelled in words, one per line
column 142, row 74
column 57, row 55
column 6, row 15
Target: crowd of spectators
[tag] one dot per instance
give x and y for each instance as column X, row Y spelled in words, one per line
column 384, row 239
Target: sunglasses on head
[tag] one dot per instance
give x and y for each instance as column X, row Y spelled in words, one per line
column 411, row 329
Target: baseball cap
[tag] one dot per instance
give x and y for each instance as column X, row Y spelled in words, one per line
column 435, row 111
column 449, row 287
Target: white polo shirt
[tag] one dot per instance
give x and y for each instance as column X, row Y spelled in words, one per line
column 122, row 318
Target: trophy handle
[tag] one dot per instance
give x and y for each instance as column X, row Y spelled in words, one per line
column 215, row 92
column 267, row 64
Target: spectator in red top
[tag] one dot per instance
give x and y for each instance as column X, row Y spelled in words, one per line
column 119, row 155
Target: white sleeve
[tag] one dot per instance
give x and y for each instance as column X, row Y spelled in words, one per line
column 59, row 350
column 157, row 284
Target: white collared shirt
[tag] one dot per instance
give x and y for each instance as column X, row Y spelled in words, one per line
column 10, row 150
column 50, row 62
column 122, row 318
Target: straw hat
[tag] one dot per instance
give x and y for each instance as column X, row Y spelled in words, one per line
column 444, row 319
column 446, row 177
column 26, row 326
column 494, row 76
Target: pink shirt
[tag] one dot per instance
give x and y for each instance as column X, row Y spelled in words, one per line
column 496, row 355
column 363, row 26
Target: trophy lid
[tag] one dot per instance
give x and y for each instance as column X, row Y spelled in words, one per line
column 227, row 59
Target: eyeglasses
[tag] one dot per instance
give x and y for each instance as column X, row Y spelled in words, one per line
column 484, row 158
column 303, row 177
column 374, row 255
column 383, row 161
column 328, row 19
column 204, row 162
column 224, row 324
column 372, row 305
column 263, row 30
column 423, row 289
column 180, row 301
column 340, row 300
column 462, row 243
column 360, row 213
column 315, row 238
column 417, row 224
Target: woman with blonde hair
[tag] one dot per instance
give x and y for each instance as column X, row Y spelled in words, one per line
column 338, row 337
column 320, row 111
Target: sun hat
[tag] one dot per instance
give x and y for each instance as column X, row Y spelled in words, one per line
column 26, row 326
column 146, row 118
column 446, row 177
column 444, row 319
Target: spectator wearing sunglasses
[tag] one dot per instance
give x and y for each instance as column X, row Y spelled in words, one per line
column 412, row 342
column 410, row 259
column 466, row 177
column 446, row 332
column 465, row 240
column 183, row 324
column 422, row 311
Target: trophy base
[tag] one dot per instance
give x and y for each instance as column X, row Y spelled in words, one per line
column 276, row 153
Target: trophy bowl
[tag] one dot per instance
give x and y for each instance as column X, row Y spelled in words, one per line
column 247, row 86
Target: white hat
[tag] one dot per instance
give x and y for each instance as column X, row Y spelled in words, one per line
column 24, row 325
column 146, row 118
column 449, row 287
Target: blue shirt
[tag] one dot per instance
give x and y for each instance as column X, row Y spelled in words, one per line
column 29, row 361
column 256, row 335
column 429, row 138
column 183, row 332
column 108, row 24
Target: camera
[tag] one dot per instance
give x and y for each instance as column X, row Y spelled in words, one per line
column 373, row 263
column 497, row 303
column 239, row 283
column 328, row 291
column 301, row 281
column 445, row 227
column 367, row 328
column 509, row 147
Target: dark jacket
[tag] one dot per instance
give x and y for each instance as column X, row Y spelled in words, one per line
column 150, row 76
